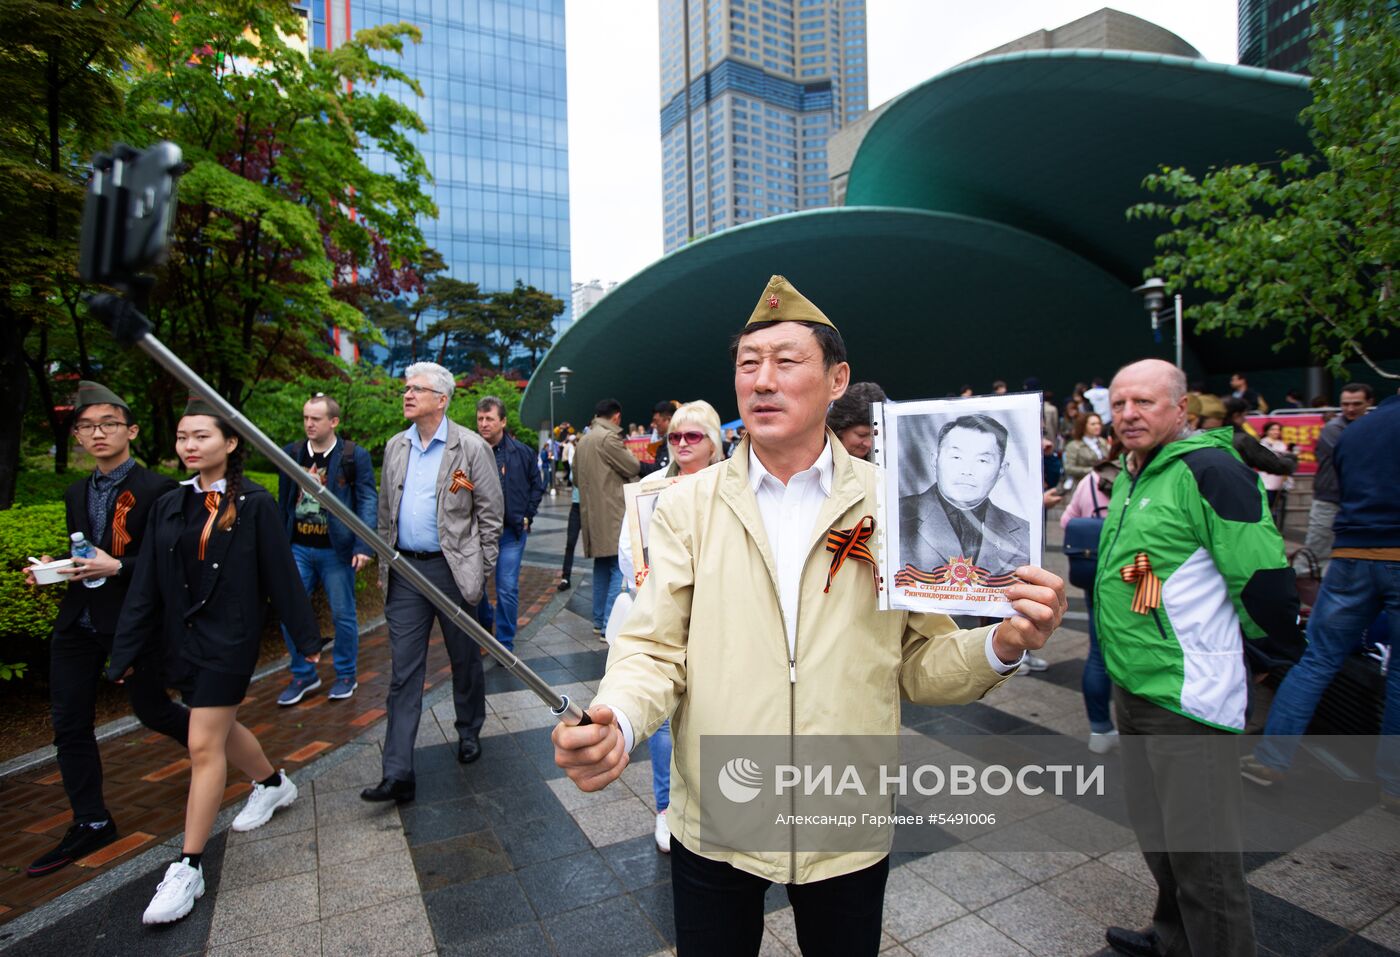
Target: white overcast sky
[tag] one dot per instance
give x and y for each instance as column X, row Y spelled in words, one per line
column 614, row 94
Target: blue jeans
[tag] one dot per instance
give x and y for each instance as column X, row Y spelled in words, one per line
column 506, row 613
column 607, row 585
column 1095, row 685
column 325, row 566
column 1354, row 592
column 659, row 746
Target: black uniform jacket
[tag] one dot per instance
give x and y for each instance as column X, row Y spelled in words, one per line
column 216, row 622
column 104, row 603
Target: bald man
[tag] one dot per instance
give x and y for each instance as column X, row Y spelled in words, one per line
column 1189, row 562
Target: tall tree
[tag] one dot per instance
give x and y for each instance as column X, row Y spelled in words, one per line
column 401, row 319
column 462, row 321
column 284, row 228
column 60, row 67
column 1308, row 250
column 521, row 318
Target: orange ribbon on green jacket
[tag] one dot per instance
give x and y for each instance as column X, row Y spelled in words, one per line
column 1148, row 594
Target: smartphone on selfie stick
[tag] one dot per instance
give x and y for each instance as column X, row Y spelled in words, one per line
column 127, row 214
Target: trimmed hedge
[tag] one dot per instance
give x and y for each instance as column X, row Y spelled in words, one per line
column 35, row 487
column 27, row 614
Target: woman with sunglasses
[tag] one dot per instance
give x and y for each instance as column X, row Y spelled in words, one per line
column 217, row 553
column 694, row 440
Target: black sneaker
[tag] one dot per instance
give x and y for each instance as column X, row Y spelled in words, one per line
column 79, row 842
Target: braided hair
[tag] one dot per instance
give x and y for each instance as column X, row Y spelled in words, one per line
column 233, row 474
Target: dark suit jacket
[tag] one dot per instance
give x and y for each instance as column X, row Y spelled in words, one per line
column 361, row 496
column 927, row 539
column 104, row 603
column 216, row 622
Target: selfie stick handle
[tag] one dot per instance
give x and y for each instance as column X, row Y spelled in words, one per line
column 130, row 327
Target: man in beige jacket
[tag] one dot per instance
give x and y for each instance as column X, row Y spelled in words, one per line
column 734, row 632
column 602, row 465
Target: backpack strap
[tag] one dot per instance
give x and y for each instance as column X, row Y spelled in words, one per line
column 347, row 461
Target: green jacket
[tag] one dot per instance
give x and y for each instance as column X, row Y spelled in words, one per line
column 1201, row 517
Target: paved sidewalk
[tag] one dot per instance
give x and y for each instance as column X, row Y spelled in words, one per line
column 505, row 856
column 146, row 775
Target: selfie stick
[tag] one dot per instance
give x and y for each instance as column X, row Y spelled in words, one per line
column 112, row 201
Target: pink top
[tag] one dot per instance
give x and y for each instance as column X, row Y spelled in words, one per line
column 1081, row 503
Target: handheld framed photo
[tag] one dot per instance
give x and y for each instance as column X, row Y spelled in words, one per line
column 961, row 504
column 641, row 498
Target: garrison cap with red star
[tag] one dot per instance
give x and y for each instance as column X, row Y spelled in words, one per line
column 782, row 303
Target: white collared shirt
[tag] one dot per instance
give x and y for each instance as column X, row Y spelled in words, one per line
column 220, row 485
column 789, row 514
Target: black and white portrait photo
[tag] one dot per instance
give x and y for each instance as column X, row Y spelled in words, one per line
column 962, row 500
column 640, row 500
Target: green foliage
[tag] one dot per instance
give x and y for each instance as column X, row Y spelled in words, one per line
column 401, row 321
column 371, row 406
column 465, row 322
column 284, row 229
column 463, row 407
column 42, row 488
column 522, row 318
column 60, row 68
column 267, row 480
column 1309, row 250
column 27, row 612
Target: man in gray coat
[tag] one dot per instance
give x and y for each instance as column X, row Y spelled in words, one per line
column 441, row 506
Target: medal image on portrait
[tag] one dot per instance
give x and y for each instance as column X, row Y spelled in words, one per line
column 960, row 506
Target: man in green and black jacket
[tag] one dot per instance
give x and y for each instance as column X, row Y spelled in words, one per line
column 1190, row 567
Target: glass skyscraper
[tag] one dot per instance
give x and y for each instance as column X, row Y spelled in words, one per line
column 494, row 101
column 1276, row 34
column 750, row 92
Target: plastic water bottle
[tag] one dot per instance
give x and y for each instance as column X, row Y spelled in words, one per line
column 82, row 548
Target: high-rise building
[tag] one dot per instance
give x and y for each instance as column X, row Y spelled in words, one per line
column 587, row 295
column 1276, row 34
column 750, row 92
column 494, row 102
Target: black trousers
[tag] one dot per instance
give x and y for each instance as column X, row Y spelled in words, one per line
column 77, row 657
column 719, row 909
column 575, row 527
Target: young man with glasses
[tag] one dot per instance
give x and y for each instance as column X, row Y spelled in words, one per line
column 109, row 507
column 523, row 488
column 324, row 549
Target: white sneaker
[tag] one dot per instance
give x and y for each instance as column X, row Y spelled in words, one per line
column 175, row 897
column 1035, row 663
column 263, row 802
column 663, row 834
column 1102, row 742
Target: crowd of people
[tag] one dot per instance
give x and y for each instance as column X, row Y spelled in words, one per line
column 721, row 624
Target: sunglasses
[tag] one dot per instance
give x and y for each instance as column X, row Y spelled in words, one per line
column 690, row 438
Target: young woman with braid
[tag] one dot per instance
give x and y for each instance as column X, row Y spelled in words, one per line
column 216, row 554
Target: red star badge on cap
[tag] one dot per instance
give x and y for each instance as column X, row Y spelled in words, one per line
column 772, row 302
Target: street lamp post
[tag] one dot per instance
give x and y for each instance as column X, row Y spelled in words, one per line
column 1154, row 295
column 563, row 372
